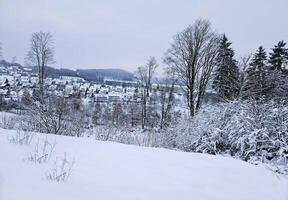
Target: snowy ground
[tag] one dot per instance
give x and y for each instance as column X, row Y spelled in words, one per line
column 110, row 171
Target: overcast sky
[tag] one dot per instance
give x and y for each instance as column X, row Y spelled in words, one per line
column 124, row 33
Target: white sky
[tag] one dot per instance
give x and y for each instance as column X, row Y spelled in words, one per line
column 124, row 33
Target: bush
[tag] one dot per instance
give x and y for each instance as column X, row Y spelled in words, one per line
column 247, row 130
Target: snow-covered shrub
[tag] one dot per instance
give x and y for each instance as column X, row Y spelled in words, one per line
column 42, row 152
column 74, row 125
column 22, row 137
column 126, row 135
column 61, row 170
column 117, row 134
column 247, row 130
column 201, row 134
column 8, row 120
column 165, row 139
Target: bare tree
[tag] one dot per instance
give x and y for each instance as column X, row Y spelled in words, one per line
column 243, row 65
column 142, row 77
column 244, row 62
column 145, row 75
column 134, row 110
column 192, row 57
column 151, row 68
column 167, row 98
column 41, row 54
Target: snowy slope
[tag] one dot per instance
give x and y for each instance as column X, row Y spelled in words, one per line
column 110, row 171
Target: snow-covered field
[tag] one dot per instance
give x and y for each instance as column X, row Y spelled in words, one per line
column 110, row 171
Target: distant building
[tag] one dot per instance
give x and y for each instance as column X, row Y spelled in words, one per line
column 101, row 98
column 121, row 83
column 114, row 98
column 71, row 79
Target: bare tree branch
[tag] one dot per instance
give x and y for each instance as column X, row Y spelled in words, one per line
column 192, row 57
column 41, row 54
column 145, row 75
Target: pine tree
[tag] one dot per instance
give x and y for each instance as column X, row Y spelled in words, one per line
column 6, row 82
column 278, row 85
column 7, row 87
column 255, row 85
column 278, row 78
column 279, row 57
column 226, row 81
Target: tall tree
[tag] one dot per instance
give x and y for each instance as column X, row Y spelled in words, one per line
column 192, row 57
column 255, row 85
column 226, row 81
column 145, row 75
column 279, row 57
column 41, row 54
column 278, row 72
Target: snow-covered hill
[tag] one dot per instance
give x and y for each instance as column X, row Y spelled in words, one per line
column 110, row 171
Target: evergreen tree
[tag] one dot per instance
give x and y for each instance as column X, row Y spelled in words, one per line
column 256, row 86
column 6, row 83
column 279, row 57
column 7, row 87
column 226, row 81
column 278, row 85
column 278, row 78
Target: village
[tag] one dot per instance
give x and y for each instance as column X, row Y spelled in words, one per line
column 16, row 80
